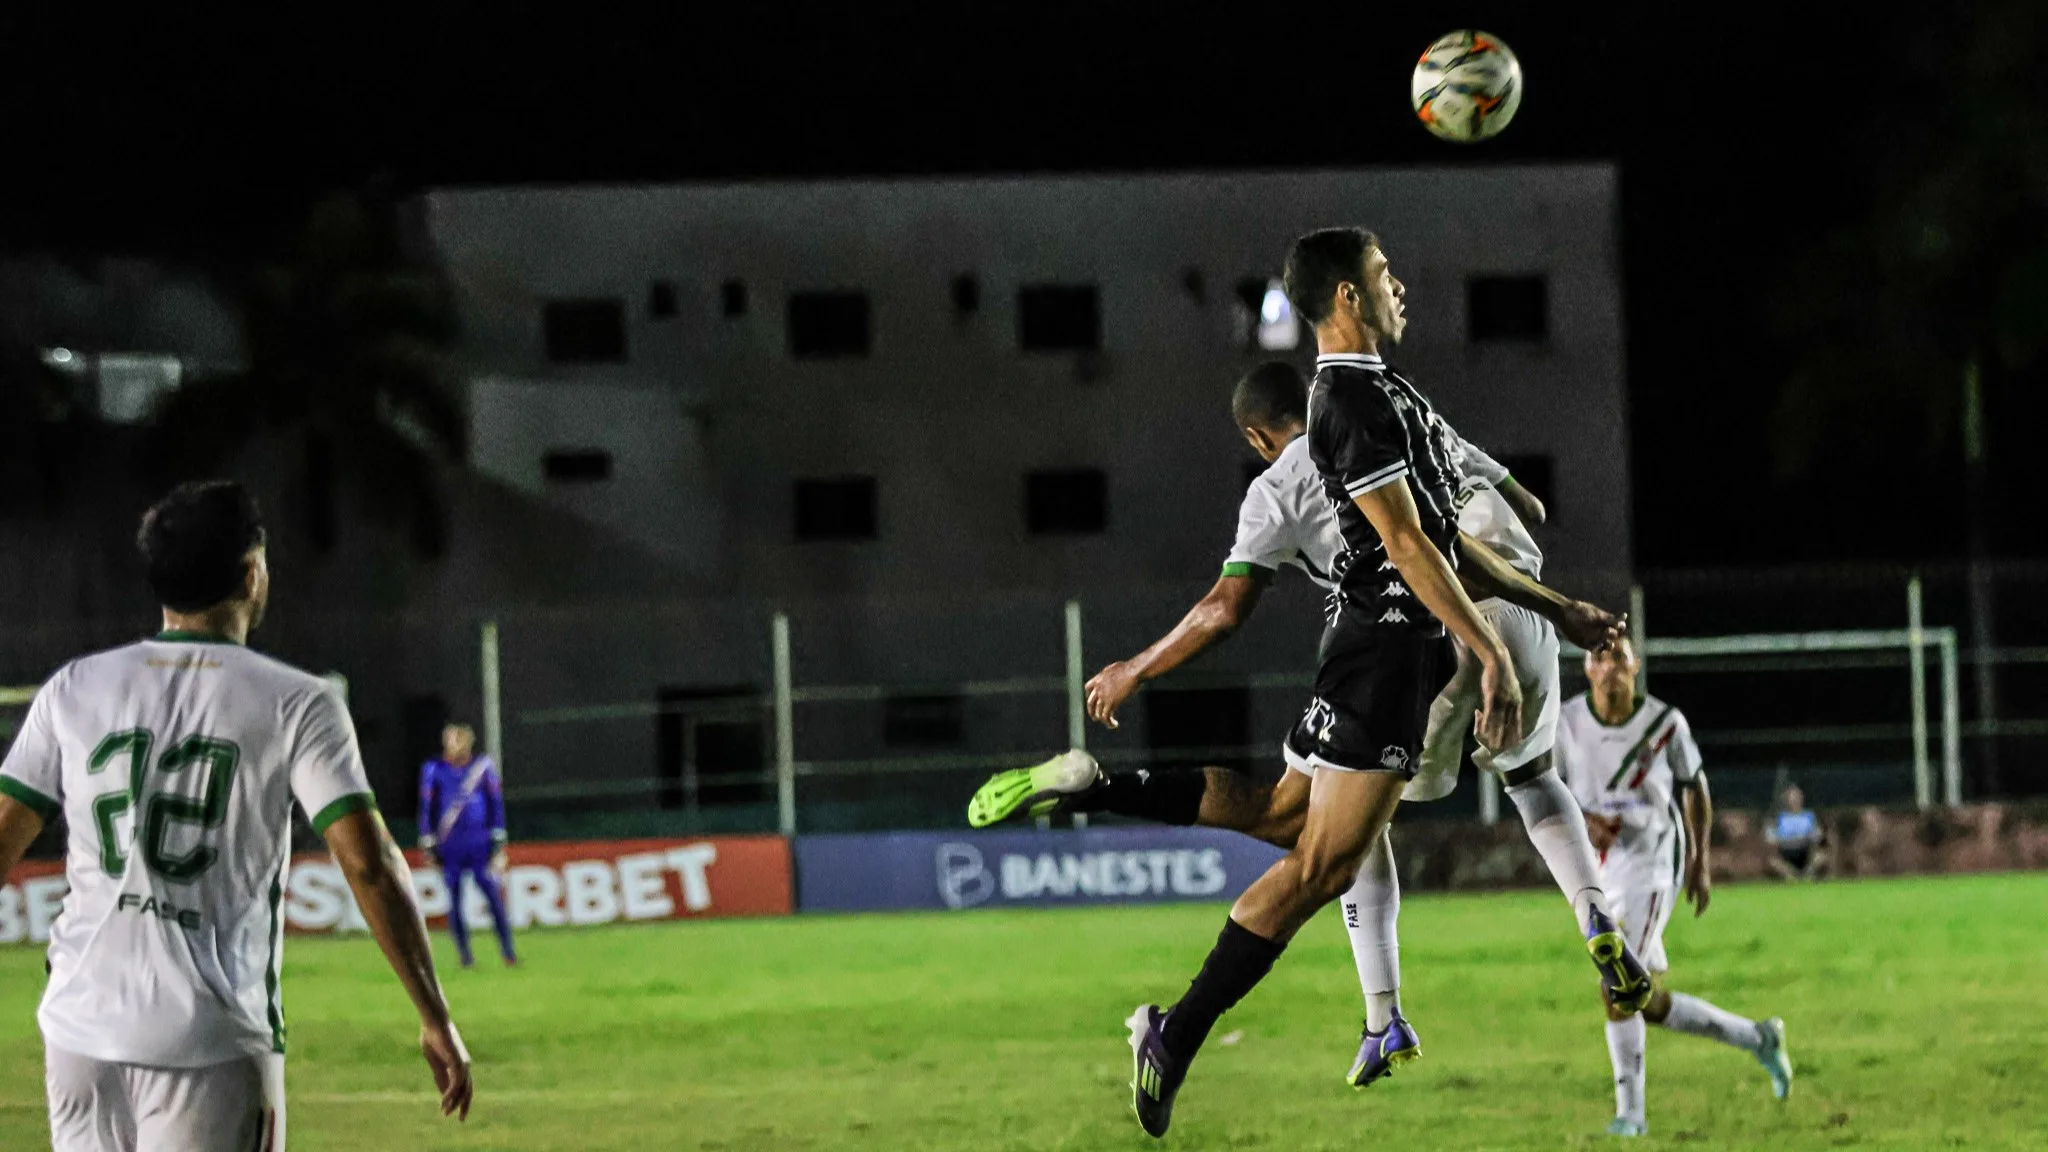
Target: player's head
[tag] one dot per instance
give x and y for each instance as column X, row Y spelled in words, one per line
column 1794, row 798
column 1270, row 406
column 457, row 741
column 1613, row 668
column 203, row 546
column 1339, row 281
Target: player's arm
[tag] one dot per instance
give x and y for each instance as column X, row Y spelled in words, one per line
column 1696, row 804
column 429, row 811
column 378, row 875
column 1227, row 606
column 1485, row 573
column 494, row 811
column 1391, row 509
column 19, row 826
column 1523, row 501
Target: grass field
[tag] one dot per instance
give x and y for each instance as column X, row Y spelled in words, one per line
column 1915, row 1008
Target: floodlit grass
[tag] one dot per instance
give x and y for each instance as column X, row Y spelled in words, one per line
column 1915, row 1010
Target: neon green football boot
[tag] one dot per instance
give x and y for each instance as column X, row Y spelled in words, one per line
column 1039, row 790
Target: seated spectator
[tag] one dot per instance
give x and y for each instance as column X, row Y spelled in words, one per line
column 1799, row 838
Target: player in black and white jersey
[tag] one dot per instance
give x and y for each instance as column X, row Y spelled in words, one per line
column 1385, row 651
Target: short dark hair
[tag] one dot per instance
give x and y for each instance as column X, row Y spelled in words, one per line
column 1319, row 262
column 1273, row 395
column 193, row 542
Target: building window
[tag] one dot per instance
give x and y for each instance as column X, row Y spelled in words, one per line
column 661, row 300
column 576, row 465
column 1508, row 308
column 966, row 296
column 733, row 298
column 1536, row 474
column 1059, row 318
column 585, row 331
column 828, row 324
column 1066, row 503
column 842, row 509
column 922, row 721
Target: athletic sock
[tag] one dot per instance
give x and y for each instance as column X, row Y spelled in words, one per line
column 1558, row 830
column 1372, row 907
column 1625, row 1044
column 1170, row 797
column 1695, row 1017
column 1235, row 966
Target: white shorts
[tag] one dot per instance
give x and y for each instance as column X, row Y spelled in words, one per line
column 1532, row 645
column 97, row 1106
column 1642, row 885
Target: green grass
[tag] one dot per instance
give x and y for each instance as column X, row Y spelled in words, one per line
column 1916, row 1013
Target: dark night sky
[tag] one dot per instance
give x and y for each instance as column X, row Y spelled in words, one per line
column 1745, row 135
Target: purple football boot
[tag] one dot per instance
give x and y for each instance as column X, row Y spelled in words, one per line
column 1155, row 1076
column 1622, row 977
column 1378, row 1052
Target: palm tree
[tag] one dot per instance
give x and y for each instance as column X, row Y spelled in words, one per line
column 348, row 339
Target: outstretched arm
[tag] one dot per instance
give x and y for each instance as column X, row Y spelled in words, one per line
column 19, row 826
column 1485, row 573
column 1523, row 501
column 382, row 884
column 1228, row 605
column 1391, row 509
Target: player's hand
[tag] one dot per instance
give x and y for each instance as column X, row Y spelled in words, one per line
column 1699, row 884
column 1590, row 626
column 500, row 862
column 1108, row 690
column 1500, row 712
column 1602, row 830
column 441, row 1044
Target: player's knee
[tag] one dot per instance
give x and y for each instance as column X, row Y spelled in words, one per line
column 1326, row 873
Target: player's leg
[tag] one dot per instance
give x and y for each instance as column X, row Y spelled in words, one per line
column 1638, row 907
column 225, row 1107
column 1211, row 797
column 1763, row 1039
column 494, row 897
column 89, row 1107
column 452, row 868
column 1372, row 910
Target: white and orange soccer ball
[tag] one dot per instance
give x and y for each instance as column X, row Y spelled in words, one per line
column 1467, row 86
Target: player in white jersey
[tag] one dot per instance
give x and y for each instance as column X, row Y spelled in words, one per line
column 1287, row 519
column 174, row 762
column 1632, row 763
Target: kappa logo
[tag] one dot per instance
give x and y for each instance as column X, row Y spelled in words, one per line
column 1396, row 588
column 1388, row 566
column 1394, row 758
column 1394, row 616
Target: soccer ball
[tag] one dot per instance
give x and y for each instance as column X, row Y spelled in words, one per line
column 1467, row 86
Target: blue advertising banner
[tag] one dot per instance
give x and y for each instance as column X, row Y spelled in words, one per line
column 1030, row 868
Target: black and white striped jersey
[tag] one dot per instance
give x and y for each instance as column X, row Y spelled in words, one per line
column 1368, row 427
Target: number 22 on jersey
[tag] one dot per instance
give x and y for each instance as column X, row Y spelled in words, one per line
column 190, row 787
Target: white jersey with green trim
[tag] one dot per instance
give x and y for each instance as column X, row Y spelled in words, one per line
column 175, row 762
column 1287, row 517
column 1631, row 769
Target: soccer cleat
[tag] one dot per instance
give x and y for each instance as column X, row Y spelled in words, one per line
column 1155, row 1076
column 1039, row 790
column 1623, row 1126
column 1622, row 976
column 1775, row 1057
column 1378, row 1052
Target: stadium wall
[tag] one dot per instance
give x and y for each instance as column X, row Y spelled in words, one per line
column 603, row 882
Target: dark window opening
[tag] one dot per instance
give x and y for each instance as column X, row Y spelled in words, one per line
column 1059, row 318
column 709, row 748
column 922, row 721
column 823, row 324
column 1190, row 727
column 733, row 297
column 576, row 465
column 1071, row 502
column 841, row 509
column 661, row 300
column 1535, row 474
column 584, row 331
column 966, row 295
column 1508, row 308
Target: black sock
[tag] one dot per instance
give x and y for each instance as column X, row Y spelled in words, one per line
column 1171, row 797
column 1235, row 966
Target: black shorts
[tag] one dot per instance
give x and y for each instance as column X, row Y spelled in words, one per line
column 1796, row 855
column 1371, row 708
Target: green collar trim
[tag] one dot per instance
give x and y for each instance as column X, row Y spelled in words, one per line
column 1632, row 713
column 181, row 636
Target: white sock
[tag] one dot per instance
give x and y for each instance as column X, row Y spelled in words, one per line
column 1695, row 1017
column 1558, row 830
column 1625, row 1044
column 1371, row 908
